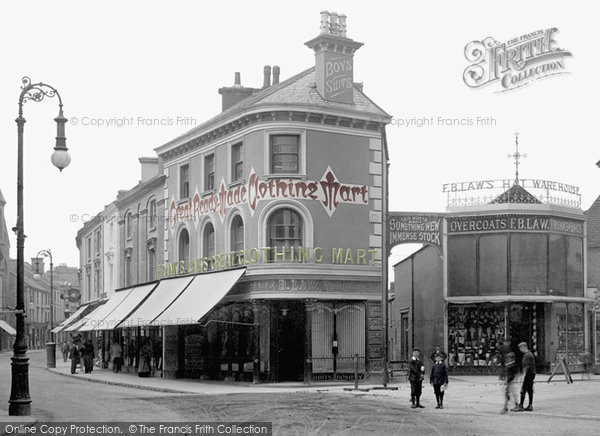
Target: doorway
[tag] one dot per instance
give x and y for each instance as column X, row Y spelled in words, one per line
column 288, row 340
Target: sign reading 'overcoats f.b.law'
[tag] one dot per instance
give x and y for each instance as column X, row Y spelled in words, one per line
column 417, row 228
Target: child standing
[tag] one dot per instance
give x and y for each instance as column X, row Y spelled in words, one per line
column 416, row 372
column 439, row 379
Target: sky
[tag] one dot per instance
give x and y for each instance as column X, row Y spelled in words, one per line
column 166, row 60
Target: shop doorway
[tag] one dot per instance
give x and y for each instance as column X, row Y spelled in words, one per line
column 526, row 324
column 288, row 341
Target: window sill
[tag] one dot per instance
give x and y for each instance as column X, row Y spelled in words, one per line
column 152, row 229
column 235, row 183
column 183, row 200
column 207, row 193
column 285, row 176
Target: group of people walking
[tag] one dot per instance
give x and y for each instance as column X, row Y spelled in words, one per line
column 80, row 352
column 439, row 377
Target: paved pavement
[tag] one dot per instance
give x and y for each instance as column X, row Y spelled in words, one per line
column 470, row 395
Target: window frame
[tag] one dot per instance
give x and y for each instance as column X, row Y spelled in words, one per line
column 208, row 172
column 285, row 238
column 181, row 187
column 234, row 178
column 268, row 160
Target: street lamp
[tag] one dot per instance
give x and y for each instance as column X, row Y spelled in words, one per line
column 50, row 345
column 20, row 401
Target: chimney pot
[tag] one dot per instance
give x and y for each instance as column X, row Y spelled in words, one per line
column 238, row 79
column 324, row 22
column 333, row 20
column 267, row 76
column 276, row 72
column 342, row 21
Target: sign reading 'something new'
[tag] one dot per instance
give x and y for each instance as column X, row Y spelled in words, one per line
column 406, row 228
column 527, row 223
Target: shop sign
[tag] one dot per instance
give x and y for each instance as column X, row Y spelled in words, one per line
column 329, row 191
column 407, row 228
column 268, row 255
column 475, row 185
column 531, row 223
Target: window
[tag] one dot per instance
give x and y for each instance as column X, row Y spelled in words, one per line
column 284, row 230
column 97, row 282
column 152, row 214
column 151, row 264
column 128, row 225
column 237, row 162
column 529, row 267
column 184, row 181
column 127, row 269
column 574, row 267
column 558, row 265
column 209, row 172
column 493, row 265
column 285, row 154
column 461, row 265
column 97, row 242
column 237, row 234
column 184, row 245
column 208, row 240
column 88, row 248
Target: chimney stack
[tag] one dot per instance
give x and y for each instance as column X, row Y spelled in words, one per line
column 334, row 59
column 267, row 76
column 149, row 167
column 276, row 75
column 232, row 95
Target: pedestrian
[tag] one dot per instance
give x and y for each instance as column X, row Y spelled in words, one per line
column 510, row 373
column 64, row 349
column 437, row 350
column 439, row 379
column 528, row 371
column 87, row 355
column 145, row 360
column 116, row 355
column 416, row 373
column 75, row 356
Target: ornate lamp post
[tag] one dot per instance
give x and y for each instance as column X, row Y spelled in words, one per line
column 51, row 344
column 20, row 402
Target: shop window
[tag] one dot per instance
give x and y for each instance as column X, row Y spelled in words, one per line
column 285, row 231
column 574, row 267
column 237, row 162
column 475, row 334
column 461, row 265
column 184, row 245
column 184, row 181
column 237, row 234
column 558, row 265
column 285, row 154
column 209, row 172
column 493, row 265
column 208, row 240
column 529, row 266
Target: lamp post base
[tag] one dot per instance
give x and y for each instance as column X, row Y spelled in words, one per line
column 19, row 403
column 51, row 355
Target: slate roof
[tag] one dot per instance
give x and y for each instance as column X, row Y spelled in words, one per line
column 297, row 91
column 2, row 200
column 593, row 224
column 516, row 194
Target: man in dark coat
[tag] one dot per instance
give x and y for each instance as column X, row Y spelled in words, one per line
column 439, row 379
column 528, row 371
column 75, row 356
column 416, row 373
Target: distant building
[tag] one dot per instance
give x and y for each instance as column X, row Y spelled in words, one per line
column 593, row 271
column 7, row 320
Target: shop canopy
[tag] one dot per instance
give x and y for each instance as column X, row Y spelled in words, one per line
column 7, row 328
column 69, row 320
column 95, row 320
column 198, row 298
column 130, row 303
column 166, row 291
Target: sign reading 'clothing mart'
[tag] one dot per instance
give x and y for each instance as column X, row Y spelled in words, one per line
column 329, row 191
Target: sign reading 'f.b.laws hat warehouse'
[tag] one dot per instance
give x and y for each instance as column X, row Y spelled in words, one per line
column 414, row 228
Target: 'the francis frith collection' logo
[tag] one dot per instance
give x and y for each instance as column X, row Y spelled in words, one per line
column 515, row 63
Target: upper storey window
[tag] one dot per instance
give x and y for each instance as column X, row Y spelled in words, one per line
column 285, row 154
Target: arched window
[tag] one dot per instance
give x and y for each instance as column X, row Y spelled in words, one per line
column 284, row 229
column 184, row 245
column 208, row 240
column 237, row 235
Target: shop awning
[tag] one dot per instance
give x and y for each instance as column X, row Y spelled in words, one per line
column 164, row 294
column 7, row 328
column 69, row 320
column 205, row 291
column 95, row 320
column 128, row 305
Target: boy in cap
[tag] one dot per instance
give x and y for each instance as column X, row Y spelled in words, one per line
column 510, row 373
column 439, row 379
column 528, row 371
column 416, row 373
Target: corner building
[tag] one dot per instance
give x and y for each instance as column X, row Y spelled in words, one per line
column 285, row 184
column 513, row 268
